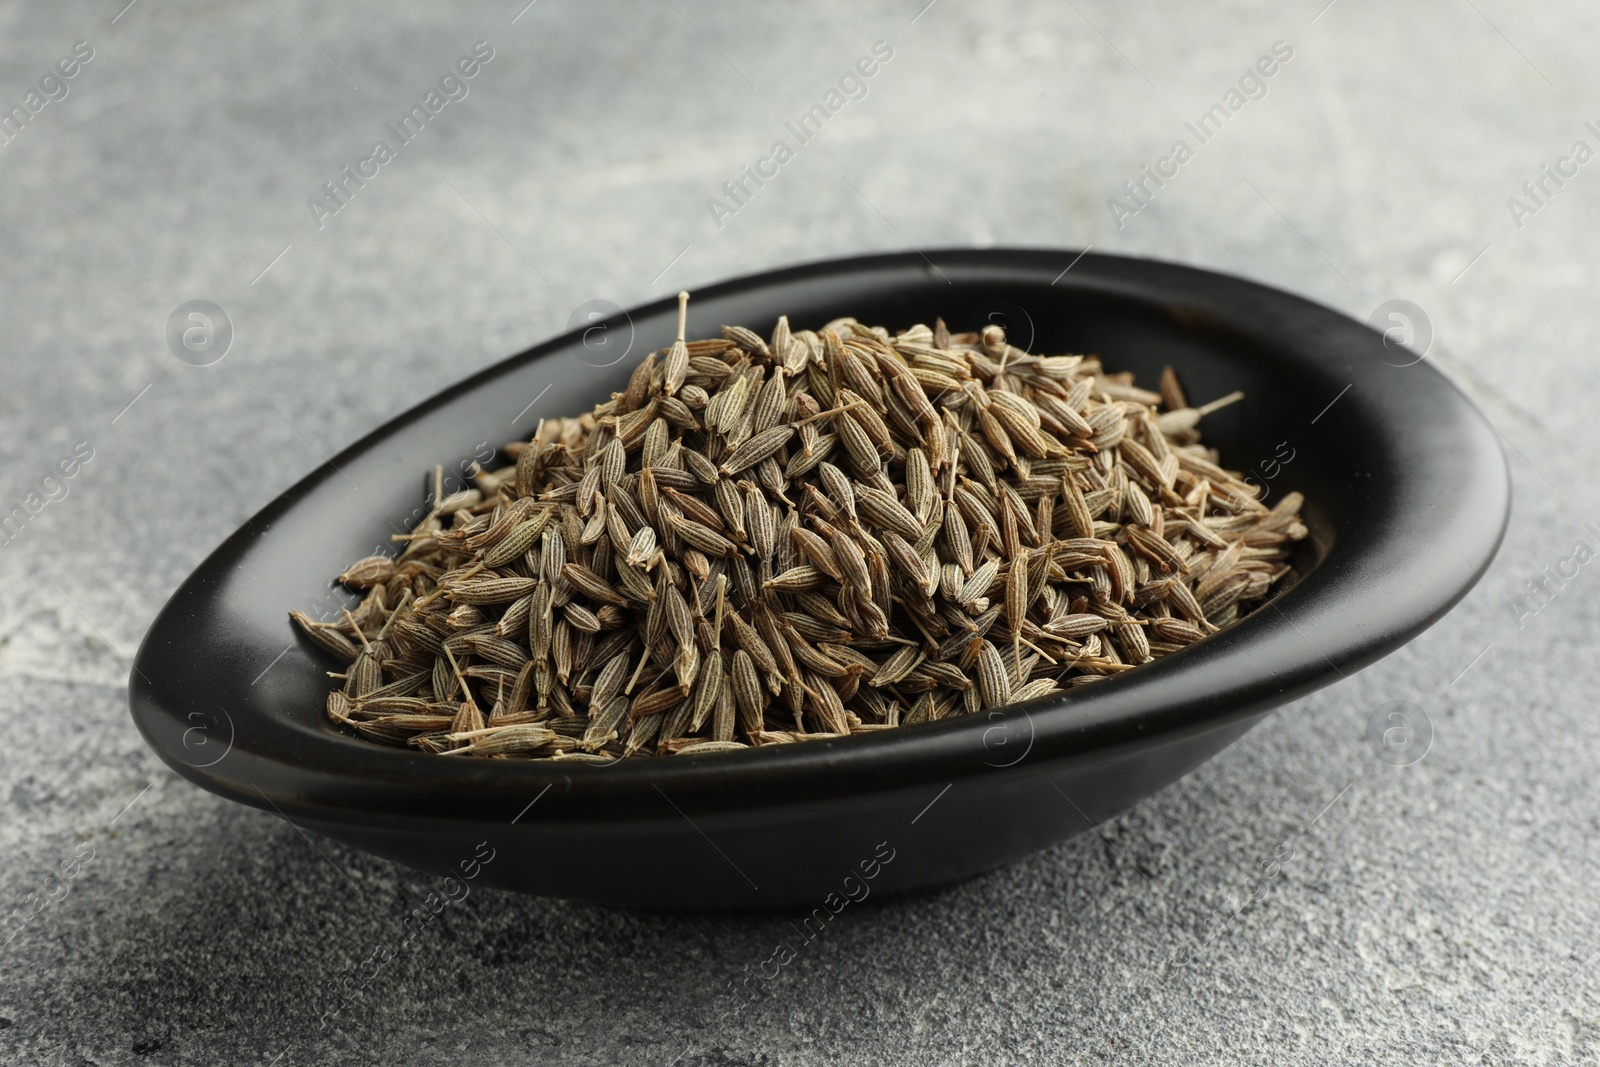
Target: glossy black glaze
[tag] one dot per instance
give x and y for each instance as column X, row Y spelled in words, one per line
column 1407, row 496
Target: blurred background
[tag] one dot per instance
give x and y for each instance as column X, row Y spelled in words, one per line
column 1339, row 897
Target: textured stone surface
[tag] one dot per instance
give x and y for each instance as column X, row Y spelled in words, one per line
column 1438, row 912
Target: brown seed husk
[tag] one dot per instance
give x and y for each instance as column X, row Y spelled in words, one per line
column 764, row 541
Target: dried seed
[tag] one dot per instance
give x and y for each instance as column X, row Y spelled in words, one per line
column 796, row 579
column 368, row 572
column 642, row 548
column 759, row 521
column 1050, row 494
column 884, row 511
column 757, row 448
column 852, row 564
column 898, row 666
column 1076, row 626
column 707, row 687
column 488, row 590
column 839, row 488
column 591, row 584
column 746, row 689
column 994, row 687
column 702, row 537
column 327, row 637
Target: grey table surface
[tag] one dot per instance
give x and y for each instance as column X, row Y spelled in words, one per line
column 1440, row 911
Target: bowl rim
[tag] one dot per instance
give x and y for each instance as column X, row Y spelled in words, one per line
column 1205, row 687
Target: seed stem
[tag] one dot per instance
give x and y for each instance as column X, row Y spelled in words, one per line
column 830, row 413
column 466, row 689
column 1220, row 403
column 351, row 619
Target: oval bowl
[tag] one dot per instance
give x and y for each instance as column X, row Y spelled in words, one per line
column 1407, row 495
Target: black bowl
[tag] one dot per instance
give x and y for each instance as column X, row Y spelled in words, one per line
column 1406, row 499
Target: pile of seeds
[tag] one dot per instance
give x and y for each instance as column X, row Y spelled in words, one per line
column 809, row 535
